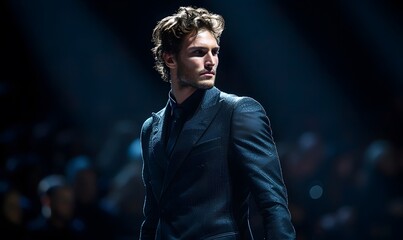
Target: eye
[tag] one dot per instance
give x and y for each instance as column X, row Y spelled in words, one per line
column 215, row 51
column 199, row 52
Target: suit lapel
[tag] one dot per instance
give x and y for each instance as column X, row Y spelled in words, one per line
column 191, row 132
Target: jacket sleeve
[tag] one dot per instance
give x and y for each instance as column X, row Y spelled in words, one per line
column 150, row 208
column 255, row 154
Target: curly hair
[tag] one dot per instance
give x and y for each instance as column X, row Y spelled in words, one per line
column 169, row 33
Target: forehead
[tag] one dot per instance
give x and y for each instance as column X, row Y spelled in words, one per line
column 203, row 38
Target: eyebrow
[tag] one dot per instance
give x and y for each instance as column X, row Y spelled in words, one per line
column 201, row 47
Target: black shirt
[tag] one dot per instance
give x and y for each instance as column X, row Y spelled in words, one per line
column 188, row 107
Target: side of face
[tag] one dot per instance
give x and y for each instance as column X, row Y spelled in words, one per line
column 62, row 203
column 196, row 64
column 11, row 207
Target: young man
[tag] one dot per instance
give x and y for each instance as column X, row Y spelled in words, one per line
column 206, row 151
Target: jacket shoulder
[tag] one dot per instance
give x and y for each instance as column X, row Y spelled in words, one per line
column 229, row 98
column 147, row 124
column 239, row 101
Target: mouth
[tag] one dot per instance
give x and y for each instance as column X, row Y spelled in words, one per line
column 208, row 73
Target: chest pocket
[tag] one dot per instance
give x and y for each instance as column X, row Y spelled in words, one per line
column 206, row 146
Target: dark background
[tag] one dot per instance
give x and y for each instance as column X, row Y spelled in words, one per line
column 78, row 80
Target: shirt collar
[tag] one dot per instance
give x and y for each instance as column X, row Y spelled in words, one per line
column 190, row 104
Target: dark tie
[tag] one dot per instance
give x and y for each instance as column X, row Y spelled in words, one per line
column 176, row 125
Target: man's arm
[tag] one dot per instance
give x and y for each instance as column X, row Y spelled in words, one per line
column 149, row 226
column 150, row 210
column 256, row 157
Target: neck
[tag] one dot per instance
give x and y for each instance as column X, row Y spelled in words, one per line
column 182, row 93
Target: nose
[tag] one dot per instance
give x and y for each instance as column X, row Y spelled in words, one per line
column 210, row 60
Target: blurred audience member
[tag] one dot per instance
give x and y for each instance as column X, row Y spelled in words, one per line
column 112, row 155
column 338, row 219
column 11, row 213
column 56, row 220
column 127, row 194
column 381, row 208
column 305, row 170
column 24, row 171
column 99, row 221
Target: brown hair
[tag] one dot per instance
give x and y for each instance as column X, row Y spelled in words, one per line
column 169, row 32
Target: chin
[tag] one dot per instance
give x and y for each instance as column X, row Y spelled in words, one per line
column 206, row 84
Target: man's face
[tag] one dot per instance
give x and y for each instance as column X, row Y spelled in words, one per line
column 197, row 61
column 62, row 203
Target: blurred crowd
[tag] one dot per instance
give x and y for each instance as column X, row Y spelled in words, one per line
column 56, row 182
column 344, row 192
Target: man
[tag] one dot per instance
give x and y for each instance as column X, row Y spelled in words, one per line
column 201, row 167
column 57, row 219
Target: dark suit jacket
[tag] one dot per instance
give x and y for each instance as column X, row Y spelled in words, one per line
column 225, row 153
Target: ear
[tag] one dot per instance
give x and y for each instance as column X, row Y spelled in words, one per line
column 169, row 60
